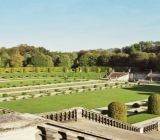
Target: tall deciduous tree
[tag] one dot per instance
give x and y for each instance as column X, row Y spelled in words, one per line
column 39, row 59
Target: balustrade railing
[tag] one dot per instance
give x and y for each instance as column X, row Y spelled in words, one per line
column 107, row 120
column 151, row 127
column 72, row 115
column 62, row 116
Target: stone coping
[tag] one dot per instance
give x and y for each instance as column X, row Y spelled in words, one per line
column 147, row 122
column 14, row 120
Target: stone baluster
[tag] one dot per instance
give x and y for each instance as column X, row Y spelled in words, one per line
column 69, row 115
column 82, row 113
column 92, row 116
column 86, row 114
column 73, row 115
column 76, row 115
column 99, row 119
column 96, row 117
column 89, row 115
column 51, row 116
column 64, row 116
column 56, row 118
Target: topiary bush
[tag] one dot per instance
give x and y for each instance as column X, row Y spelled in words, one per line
column 136, row 105
column 104, row 112
column 154, row 104
column 117, row 111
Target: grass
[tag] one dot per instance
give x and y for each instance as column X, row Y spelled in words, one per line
column 88, row 99
column 141, row 117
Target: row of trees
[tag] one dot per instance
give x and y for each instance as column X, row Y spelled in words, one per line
column 144, row 55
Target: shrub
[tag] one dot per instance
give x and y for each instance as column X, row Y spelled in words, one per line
column 71, row 88
column 106, row 85
column 95, row 86
column 4, row 95
column 116, row 84
column 14, row 97
column 24, row 93
column 57, row 90
column 104, row 112
column 136, row 111
column 154, row 104
column 117, row 111
column 136, row 105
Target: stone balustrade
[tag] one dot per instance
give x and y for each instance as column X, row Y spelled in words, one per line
column 67, row 115
column 75, row 114
column 151, row 127
column 107, row 120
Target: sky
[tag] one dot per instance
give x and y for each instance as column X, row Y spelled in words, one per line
column 72, row 25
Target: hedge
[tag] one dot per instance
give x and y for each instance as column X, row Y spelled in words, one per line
column 54, row 69
column 94, row 69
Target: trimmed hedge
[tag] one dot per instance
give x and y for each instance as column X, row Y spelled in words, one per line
column 154, row 104
column 117, row 111
column 94, row 69
column 34, row 69
column 54, row 69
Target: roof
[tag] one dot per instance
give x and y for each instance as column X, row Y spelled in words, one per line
column 115, row 75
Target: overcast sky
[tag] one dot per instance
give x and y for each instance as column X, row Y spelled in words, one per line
column 70, row 25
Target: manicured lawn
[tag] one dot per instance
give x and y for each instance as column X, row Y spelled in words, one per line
column 141, row 117
column 88, row 99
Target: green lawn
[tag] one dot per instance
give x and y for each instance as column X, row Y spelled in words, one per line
column 140, row 117
column 88, row 99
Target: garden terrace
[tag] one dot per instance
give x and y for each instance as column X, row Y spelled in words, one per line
column 54, row 89
column 88, row 99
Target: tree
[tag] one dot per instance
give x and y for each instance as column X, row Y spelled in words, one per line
column 154, row 104
column 139, row 59
column 5, row 58
column 64, row 60
column 103, row 60
column 117, row 111
column 17, row 60
column 120, row 59
column 88, row 60
column 39, row 59
column 27, row 59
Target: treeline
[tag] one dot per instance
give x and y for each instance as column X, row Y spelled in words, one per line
column 142, row 55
